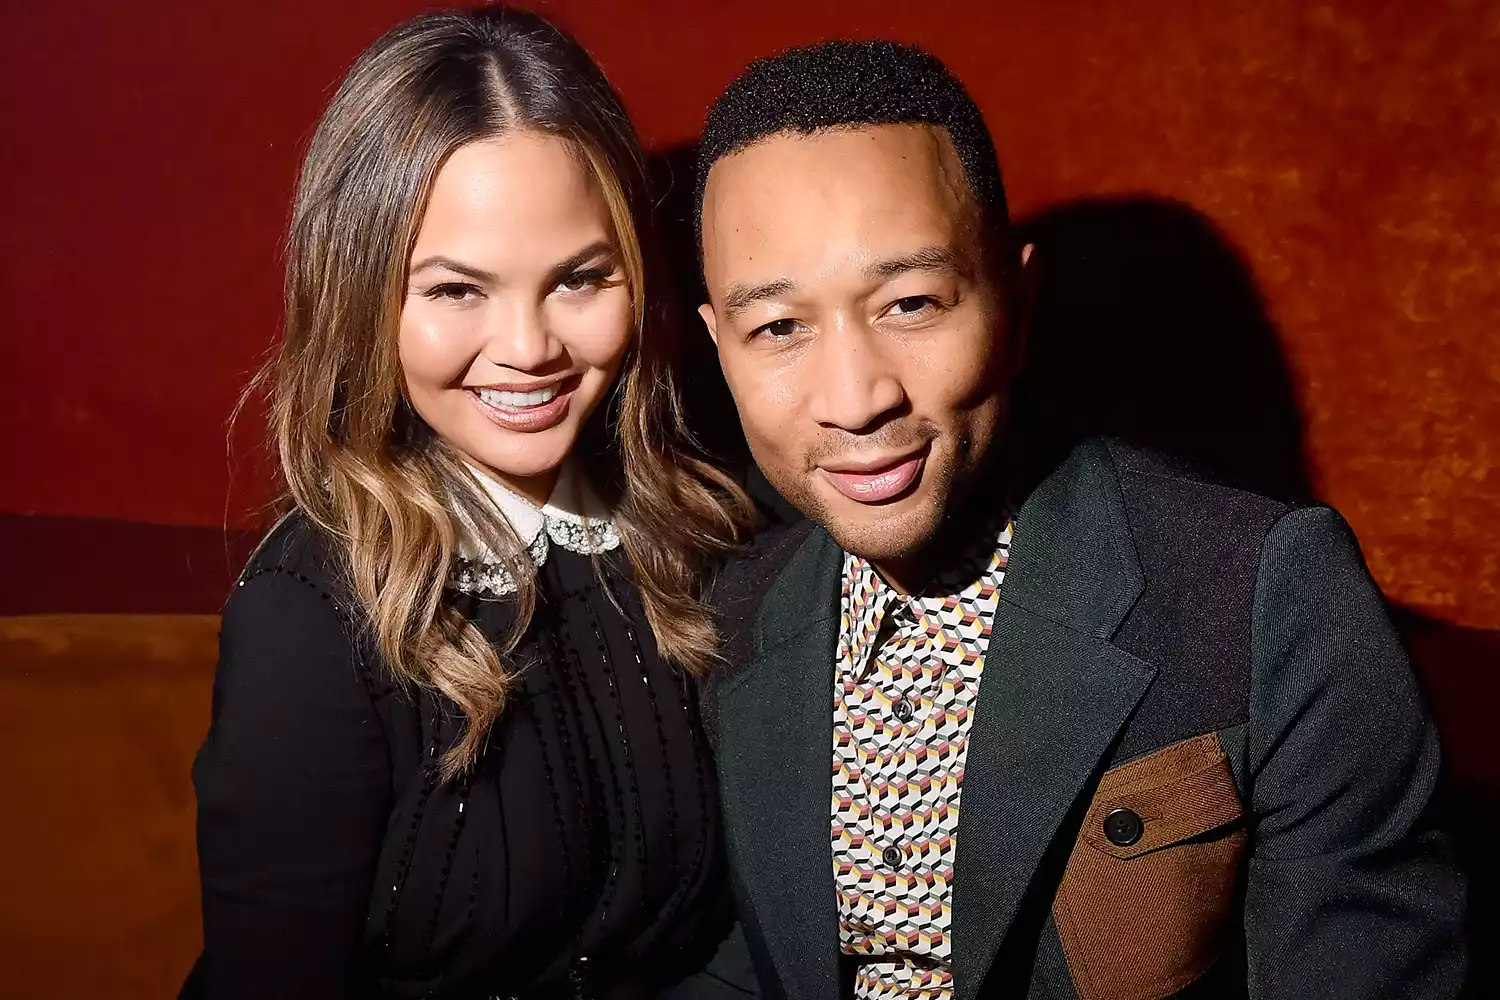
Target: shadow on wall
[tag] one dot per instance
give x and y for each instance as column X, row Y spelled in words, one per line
column 711, row 410
column 1148, row 325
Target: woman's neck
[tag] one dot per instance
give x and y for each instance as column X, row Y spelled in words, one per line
column 536, row 489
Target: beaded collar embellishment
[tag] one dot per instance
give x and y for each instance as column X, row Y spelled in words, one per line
column 573, row 518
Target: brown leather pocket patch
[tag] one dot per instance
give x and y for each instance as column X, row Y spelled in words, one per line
column 1148, row 889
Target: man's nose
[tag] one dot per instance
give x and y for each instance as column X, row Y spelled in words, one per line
column 855, row 380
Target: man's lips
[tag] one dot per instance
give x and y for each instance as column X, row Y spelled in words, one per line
column 879, row 480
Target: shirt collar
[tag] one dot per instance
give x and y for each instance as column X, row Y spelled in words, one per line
column 573, row 517
column 867, row 598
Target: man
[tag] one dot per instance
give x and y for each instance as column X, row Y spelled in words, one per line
column 1115, row 732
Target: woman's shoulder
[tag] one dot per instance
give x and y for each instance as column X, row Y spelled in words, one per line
column 298, row 556
column 292, row 624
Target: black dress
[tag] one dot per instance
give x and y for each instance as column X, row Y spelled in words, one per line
column 581, row 857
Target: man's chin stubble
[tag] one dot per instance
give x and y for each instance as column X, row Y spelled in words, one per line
column 882, row 538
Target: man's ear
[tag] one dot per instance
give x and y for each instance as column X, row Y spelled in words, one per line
column 706, row 310
column 1023, row 298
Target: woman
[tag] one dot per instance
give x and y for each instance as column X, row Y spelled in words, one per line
column 454, row 751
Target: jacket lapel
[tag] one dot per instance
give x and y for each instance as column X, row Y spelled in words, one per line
column 1055, row 695
column 775, row 761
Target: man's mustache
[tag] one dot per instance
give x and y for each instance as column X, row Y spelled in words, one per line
column 898, row 436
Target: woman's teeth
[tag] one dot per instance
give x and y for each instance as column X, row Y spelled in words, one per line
column 507, row 400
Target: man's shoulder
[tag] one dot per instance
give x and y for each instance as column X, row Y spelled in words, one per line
column 1168, row 499
column 1145, row 469
column 760, row 562
column 744, row 580
column 1199, row 544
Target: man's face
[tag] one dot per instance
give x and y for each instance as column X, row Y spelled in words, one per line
column 859, row 325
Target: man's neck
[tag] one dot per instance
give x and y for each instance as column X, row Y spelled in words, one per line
column 955, row 539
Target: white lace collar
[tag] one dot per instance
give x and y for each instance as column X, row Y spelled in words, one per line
column 573, row 517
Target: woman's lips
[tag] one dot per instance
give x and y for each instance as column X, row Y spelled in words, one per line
column 876, row 485
column 529, row 419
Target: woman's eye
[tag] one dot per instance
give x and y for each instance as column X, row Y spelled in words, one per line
column 583, row 280
column 452, row 291
column 776, row 329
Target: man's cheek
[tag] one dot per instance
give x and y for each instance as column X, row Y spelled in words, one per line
column 966, row 387
column 771, row 451
column 767, row 412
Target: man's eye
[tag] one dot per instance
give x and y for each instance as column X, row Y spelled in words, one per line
column 452, row 291
column 912, row 304
column 776, row 329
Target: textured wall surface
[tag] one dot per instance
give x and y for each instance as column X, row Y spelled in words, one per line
column 1279, row 220
column 1349, row 153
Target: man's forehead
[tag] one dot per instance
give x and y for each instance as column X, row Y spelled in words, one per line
column 882, row 187
column 902, row 149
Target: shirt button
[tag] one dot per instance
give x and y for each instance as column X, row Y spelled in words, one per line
column 891, row 856
column 1123, row 827
column 903, row 709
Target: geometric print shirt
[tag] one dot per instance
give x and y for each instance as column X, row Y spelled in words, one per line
column 906, row 682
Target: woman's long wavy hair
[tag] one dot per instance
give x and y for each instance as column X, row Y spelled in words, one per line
column 355, row 456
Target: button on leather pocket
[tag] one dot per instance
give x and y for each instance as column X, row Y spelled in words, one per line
column 1145, row 900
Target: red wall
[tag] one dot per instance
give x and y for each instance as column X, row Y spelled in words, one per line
column 1351, row 149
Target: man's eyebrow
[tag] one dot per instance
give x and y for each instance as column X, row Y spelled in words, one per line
column 933, row 258
column 742, row 297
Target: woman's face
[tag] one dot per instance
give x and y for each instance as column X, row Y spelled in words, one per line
column 517, row 310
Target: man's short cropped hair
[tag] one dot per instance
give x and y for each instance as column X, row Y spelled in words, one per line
column 843, row 84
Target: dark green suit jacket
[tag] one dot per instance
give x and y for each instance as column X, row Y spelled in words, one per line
column 1215, row 663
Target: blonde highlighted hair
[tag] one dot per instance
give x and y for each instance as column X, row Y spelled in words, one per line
column 357, row 459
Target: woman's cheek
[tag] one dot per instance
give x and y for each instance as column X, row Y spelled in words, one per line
column 431, row 345
column 598, row 332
